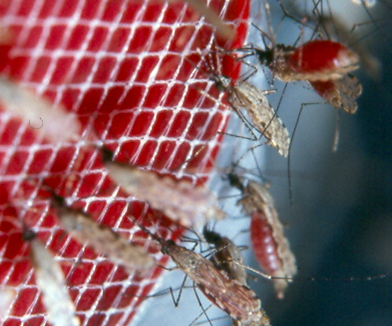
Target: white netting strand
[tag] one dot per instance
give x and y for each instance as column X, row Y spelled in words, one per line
column 122, row 68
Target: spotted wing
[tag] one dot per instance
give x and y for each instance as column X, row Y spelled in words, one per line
column 264, row 118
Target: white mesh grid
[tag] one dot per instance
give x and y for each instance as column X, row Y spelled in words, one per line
column 120, row 67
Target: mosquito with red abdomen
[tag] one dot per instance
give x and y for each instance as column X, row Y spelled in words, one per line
column 269, row 243
column 317, row 60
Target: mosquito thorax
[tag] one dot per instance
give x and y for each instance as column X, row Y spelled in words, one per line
column 106, row 154
column 166, row 245
column 235, row 181
column 222, row 82
column 266, row 57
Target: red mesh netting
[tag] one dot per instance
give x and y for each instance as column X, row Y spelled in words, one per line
column 120, row 67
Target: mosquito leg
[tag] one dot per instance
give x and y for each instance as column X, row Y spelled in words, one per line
column 291, row 144
column 337, row 131
column 176, row 302
column 201, row 306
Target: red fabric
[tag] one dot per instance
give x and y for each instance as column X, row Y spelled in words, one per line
column 121, row 73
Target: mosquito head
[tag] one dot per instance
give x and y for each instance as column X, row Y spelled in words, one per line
column 222, row 82
column 211, row 236
column 106, row 154
column 57, row 201
column 235, row 181
column 186, row 259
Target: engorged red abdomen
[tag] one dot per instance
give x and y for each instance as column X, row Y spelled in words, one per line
column 319, row 55
column 264, row 245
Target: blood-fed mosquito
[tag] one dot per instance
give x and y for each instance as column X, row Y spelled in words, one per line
column 102, row 239
column 269, row 243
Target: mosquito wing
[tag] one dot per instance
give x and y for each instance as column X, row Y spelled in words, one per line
column 341, row 93
column 240, row 302
column 263, row 116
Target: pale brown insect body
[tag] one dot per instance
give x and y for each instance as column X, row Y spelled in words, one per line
column 237, row 300
column 54, row 122
column 181, row 201
column 102, row 239
column 50, row 281
column 245, row 96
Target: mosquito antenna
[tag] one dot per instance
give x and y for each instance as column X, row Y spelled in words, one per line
column 289, row 158
column 315, row 278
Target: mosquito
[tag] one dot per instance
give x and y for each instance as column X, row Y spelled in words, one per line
column 319, row 60
column 243, row 96
column 179, row 200
column 236, row 299
column 102, row 239
column 227, row 258
column 50, row 281
column 269, row 243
